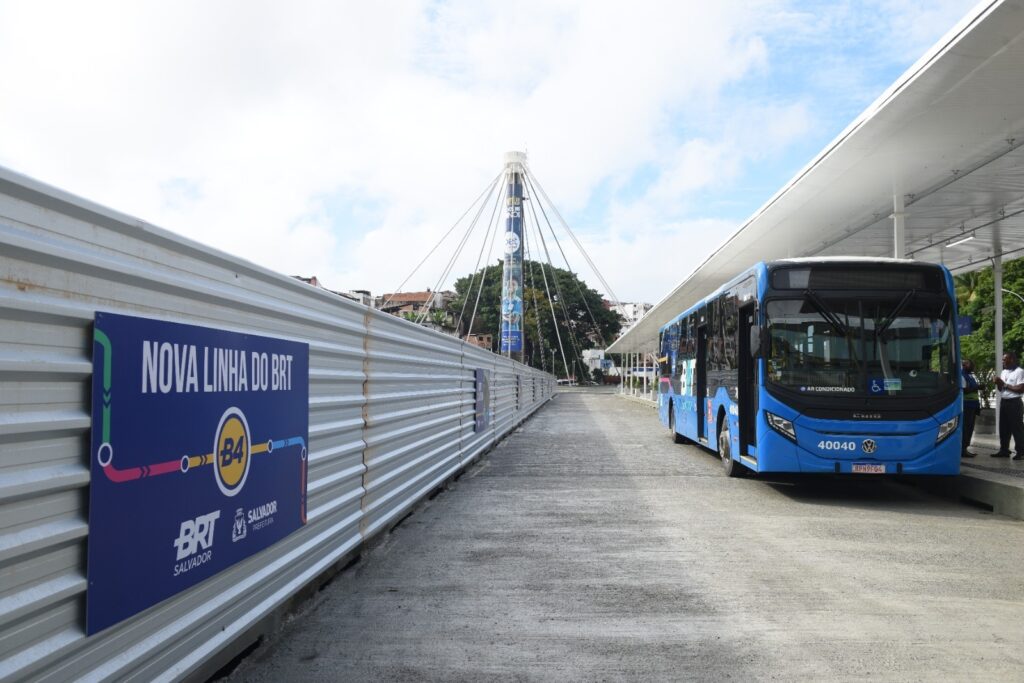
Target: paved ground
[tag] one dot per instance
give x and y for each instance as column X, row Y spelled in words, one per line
column 588, row 546
column 983, row 446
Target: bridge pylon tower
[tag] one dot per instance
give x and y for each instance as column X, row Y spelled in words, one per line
column 512, row 273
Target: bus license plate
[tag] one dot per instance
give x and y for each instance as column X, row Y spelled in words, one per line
column 868, row 468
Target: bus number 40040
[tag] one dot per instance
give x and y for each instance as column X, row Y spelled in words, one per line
column 837, row 445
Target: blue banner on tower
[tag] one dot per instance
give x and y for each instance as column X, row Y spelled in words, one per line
column 512, row 273
column 198, row 457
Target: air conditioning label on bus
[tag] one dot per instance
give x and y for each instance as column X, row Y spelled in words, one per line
column 829, row 390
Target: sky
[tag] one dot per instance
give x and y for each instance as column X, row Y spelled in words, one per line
column 343, row 139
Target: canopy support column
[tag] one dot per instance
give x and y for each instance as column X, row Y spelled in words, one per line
column 997, row 276
column 899, row 233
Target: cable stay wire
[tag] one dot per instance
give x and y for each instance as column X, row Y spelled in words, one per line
column 579, row 288
column 572, row 235
column 487, row 190
column 575, row 346
column 561, row 298
column 554, row 318
column 533, row 291
column 491, row 225
column 451, row 262
column 614, row 297
column 541, row 254
column 483, row 277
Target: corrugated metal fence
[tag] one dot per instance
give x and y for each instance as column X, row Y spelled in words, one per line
column 391, row 417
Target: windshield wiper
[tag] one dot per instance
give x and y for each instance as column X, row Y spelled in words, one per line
column 826, row 313
column 895, row 313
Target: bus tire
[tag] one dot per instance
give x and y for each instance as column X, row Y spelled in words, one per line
column 676, row 436
column 729, row 466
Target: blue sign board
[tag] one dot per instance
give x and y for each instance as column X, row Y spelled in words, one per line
column 964, row 325
column 511, row 340
column 483, row 400
column 198, row 457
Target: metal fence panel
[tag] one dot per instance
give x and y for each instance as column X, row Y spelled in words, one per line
column 391, row 417
column 413, row 416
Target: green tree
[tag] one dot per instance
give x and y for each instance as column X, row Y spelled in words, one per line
column 975, row 293
column 588, row 323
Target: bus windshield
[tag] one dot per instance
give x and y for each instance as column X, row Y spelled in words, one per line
column 899, row 345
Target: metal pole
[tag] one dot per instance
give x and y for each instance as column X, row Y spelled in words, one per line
column 899, row 226
column 997, row 276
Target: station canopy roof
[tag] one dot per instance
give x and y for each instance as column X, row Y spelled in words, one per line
column 947, row 138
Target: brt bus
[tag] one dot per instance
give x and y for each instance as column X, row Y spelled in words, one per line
column 830, row 365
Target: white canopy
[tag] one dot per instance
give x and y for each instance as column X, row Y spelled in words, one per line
column 940, row 152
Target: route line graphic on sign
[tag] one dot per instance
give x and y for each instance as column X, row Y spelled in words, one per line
column 186, row 463
column 236, row 444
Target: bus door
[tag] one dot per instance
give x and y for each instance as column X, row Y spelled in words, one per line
column 702, row 381
column 747, row 380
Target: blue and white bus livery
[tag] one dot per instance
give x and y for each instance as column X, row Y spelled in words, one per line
column 846, row 366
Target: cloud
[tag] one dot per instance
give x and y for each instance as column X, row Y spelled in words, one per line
column 342, row 139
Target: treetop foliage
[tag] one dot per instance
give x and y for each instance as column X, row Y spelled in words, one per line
column 583, row 321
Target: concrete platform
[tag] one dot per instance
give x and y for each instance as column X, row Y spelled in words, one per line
column 588, row 546
column 994, row 483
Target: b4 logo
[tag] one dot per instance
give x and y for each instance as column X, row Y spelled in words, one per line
column 196, row 534
column 232, row 448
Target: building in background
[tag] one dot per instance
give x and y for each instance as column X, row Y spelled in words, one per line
column 630, row 312
column 358, row 295
column 484, row 341
column 595, row 359
column 401, row 303
column 433, row 306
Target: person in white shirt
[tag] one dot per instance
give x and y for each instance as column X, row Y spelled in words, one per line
column 1011, row 409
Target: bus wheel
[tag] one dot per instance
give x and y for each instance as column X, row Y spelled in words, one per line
column 731, row 467
column 676, row 436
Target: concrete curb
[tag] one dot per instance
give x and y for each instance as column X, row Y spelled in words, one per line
column 1003, row 493
column 640, row 400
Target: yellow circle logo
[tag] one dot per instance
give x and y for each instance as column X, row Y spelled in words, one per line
column 232, row 452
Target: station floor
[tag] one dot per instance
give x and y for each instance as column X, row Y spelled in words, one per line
column 587, row 546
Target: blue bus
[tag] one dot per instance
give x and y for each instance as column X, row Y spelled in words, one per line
column 829, row 365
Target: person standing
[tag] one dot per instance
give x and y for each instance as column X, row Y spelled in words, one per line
column 1011, row 410
column 972, row 406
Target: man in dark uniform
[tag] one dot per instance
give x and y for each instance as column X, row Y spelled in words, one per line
column 1011, row 411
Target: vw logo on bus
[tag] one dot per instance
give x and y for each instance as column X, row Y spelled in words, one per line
column 868, row 446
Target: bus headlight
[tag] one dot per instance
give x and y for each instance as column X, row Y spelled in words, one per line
column 781, row 425
column 947, row 428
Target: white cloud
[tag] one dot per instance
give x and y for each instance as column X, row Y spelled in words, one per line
column 243, row 125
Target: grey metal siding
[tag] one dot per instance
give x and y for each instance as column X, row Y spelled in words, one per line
column 391, row 417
